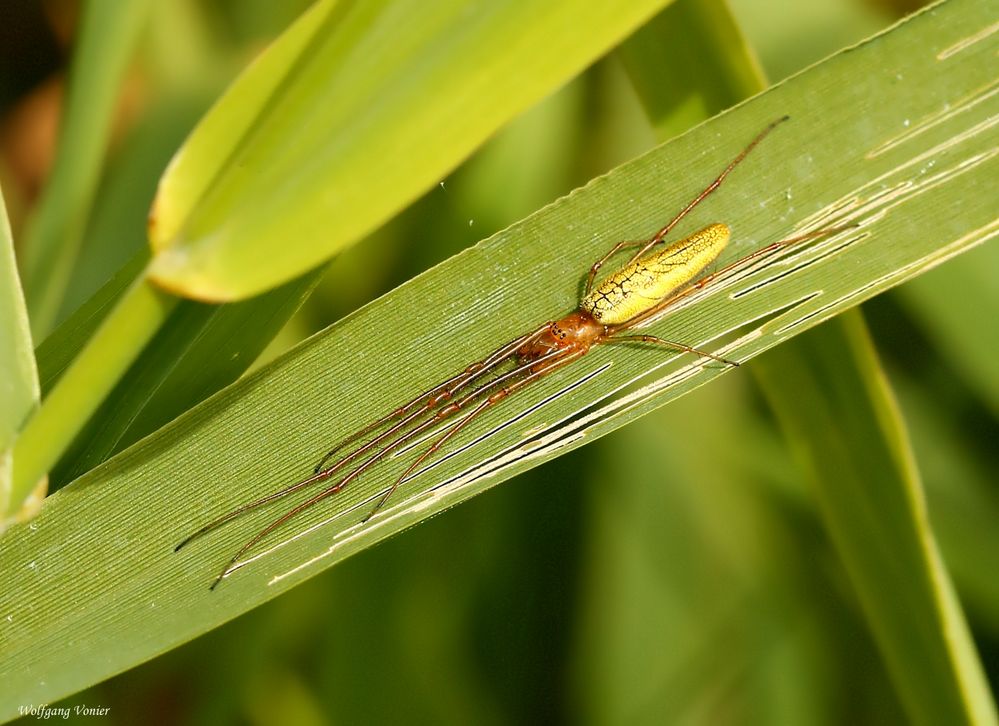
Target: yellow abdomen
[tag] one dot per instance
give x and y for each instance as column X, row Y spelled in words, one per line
column 647, row 281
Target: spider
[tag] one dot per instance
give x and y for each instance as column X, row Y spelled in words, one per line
column 651, row 282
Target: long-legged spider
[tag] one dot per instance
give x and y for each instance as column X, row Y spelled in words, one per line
column 646, row 286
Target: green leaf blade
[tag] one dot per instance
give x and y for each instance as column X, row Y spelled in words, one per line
column 19, row 390
column 108, row 36
column 328, row 160
column 872, row 500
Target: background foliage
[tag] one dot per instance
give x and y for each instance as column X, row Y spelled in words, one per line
column 541, row 599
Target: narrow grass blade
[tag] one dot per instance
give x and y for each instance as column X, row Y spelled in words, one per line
column 104, row 46
column 18, row 375
column 872, row 500
column 137, row 315
column 55, row 354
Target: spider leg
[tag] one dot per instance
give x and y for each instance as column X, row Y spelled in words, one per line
column 437, row 395
column 600, row 263
column 429, row 400
column 315, row 498
column 669, row 344
column 438, row 442
column 492, row 400
column 251, row 505
column 452, row 408
column 290, row 489
column 661, row 234
column 272, row 526
column 438, row 416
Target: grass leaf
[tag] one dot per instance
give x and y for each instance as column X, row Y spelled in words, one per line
column 844, row 423
column 356, row 110
column 18, row 375
column 108, row 35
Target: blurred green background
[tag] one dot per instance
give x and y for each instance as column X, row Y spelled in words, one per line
column 672, row 572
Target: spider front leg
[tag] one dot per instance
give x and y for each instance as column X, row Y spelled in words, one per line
column 660, row 236
column 603, row 260
column 555, row 360
column 670, row 344
column 429, row 400
column 547, row 363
